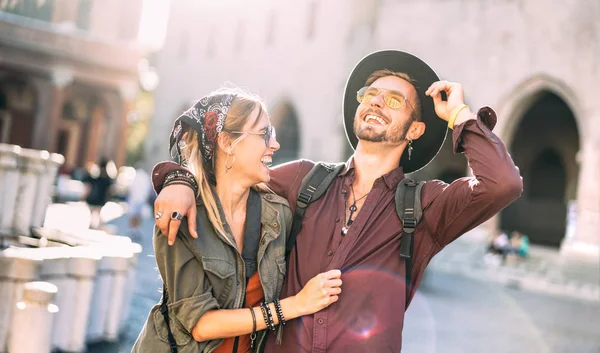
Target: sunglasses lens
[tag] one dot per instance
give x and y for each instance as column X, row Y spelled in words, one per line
column 269, row 133
column 393, row 101
column 365, row 94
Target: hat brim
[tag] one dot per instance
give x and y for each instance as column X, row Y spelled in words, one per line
column 429, row 144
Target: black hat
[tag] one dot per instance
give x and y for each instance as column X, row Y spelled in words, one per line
column 428, row 145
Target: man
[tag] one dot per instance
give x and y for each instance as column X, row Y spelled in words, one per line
column 354, row 225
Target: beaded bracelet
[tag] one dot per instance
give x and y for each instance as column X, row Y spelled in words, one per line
column 182, row 177
column 264, row 312
column 268, row 316
column 279, row 312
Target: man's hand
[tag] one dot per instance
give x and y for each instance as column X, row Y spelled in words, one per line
column 455, row 98
column 175, row 198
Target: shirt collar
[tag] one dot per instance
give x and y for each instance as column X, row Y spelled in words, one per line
column 390, row 179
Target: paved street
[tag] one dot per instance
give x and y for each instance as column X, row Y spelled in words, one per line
column 450, row 314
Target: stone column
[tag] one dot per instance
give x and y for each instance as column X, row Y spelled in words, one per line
column 51, row 99
column 583, row 242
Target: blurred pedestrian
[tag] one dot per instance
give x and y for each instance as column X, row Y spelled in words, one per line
column 98, row 184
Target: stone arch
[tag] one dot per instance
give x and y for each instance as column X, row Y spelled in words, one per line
column 18, row 107
column 543, row 137
column 520, row 99
column 287, row 125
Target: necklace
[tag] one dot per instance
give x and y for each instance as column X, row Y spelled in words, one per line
column 352, row 209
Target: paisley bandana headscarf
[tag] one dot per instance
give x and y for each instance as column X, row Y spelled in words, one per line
column 207, row 117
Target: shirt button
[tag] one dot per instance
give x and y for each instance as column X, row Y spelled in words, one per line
column 344, row 191
column 330, row 253
column 337, row 220
column 320, row 321
column 275, row 225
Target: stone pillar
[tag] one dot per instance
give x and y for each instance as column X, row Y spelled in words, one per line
column 61, row 78
column 583, row 243
column 51, row 99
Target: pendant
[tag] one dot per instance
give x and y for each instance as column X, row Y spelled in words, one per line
column 353, row 208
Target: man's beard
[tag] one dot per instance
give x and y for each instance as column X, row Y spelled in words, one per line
column 395, row 133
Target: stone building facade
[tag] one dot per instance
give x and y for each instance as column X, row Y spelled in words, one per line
column 536, row 62
column 68, row 75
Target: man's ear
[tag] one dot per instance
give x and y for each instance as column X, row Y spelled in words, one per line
column 416, row 130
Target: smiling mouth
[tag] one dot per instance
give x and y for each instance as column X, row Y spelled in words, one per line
column 267, row 161
column 370, row 118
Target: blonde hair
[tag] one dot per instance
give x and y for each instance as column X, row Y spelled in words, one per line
column 238, row 114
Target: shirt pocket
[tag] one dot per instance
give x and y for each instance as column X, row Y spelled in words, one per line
column 220, row 273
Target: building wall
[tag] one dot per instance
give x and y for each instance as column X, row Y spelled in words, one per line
column 504, row 52
column 71, row 53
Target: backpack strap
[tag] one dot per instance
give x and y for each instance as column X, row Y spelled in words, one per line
column 313, row 186
column 409, row 209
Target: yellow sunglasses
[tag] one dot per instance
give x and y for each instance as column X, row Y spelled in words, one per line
column 392, row 99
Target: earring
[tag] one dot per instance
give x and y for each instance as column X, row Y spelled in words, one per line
column 410, row 148
column 228, row 167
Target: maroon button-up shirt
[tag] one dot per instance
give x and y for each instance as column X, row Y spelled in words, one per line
column 369, row 315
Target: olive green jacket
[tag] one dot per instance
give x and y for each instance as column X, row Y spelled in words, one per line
column 208, row 273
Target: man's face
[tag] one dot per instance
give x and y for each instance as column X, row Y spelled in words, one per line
column 375, row 121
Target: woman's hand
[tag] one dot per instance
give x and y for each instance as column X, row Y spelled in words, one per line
column 320, row 292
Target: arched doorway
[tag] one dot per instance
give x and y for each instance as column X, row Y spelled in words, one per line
column 544, row 148
column 18, row 104
column 285, row 120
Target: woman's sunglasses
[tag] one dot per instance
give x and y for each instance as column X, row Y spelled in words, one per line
column 392, row 99
column 268, row 132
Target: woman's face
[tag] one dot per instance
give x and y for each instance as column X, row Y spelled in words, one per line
column 252, row 155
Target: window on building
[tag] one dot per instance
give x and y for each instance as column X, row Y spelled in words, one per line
column 239, row 37
column 84, row 14
column 312, row 19
column 271, row 28
column 211, row 46
column 36, row 9
column 183, row 49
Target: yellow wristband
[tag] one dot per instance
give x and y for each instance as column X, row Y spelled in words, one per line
column 455, row 114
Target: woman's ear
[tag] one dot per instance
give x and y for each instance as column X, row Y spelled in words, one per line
column 224, row 141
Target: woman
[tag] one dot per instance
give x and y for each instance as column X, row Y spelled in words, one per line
column 221, row 288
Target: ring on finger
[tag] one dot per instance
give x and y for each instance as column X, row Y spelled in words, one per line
column 176, row 216
column 158, row 214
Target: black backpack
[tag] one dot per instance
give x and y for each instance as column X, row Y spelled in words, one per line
column 408, row 208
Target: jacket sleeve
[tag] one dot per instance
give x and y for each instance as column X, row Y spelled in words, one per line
column 190, row 292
